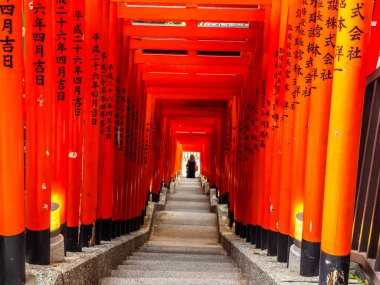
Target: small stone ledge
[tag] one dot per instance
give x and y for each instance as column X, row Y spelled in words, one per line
column 255, row 264
column 257, row 267
column 93, row 263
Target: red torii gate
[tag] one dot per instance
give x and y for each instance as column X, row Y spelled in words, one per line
column 260, row 93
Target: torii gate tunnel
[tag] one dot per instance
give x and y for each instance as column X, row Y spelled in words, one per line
column 100, row 98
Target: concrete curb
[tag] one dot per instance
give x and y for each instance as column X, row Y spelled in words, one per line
column 93, row 263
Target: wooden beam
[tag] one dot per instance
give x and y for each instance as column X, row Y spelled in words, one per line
column 195, row 69
column 171, row 90
column 225, row 79
column 194, row 96
column 191, row 32
column 190, row 83
column 188, row 14
column 198, row 2
column 243, row 60
column 182, row 44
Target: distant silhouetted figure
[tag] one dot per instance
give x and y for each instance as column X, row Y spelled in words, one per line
column 191, row 167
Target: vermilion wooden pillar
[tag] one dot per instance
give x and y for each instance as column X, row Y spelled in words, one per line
column 103, row 176
column 108, row 201
column 62, row 44
column 128, row 141
column 374, row 43
column 261, row 233
column 272, row 159
column 38, row 89
column 122, row 131
column 317, row 140
column 277, row 112
column 118, row 136
column 12, row 201
column 287, row 135
column 300, row 104
column 344, row 139
column 92, row 80
column 76, row 100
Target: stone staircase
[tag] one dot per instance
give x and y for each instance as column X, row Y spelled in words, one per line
column 183, row 248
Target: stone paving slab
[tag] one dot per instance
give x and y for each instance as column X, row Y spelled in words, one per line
column 183, row 266
column 183, row 249
column 188, row 197
column 168, row 281
column 174, row 273
column 188, row 206
column 186, row 218
column 185, row 232
column 180, row 257
column 177, row 264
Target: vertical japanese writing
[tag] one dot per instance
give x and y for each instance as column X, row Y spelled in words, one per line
column 128, row 119
column 119, row 121
column 61, row 23
column 39, row 34
column 77, row 60
column 103, row 93
column 7, row 41
column 95, row 77
column 110, row 101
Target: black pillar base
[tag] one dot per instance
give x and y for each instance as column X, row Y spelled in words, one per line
column 137, row 223
column 133, row 226
column 155, row 197
column 272, row 243
column 249, row 233
column 243, row 233
column 253, row 234
column 259, row 230
column 118, row 228
column 114, row 229
column 12, row 259
column 107, row 229
column 38, row 247
column 142, row 217
column 282, row 248
column 238, row 226
column 310, row 253
column 74, row 240
column 98, row 231
column 340, row 265
column 128, row 228
column 231, row 217
column 123, row 228
column 264, row 239
column 86, row 235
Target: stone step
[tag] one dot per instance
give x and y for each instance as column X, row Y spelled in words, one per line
column 191, row 197
column 181, row 266
column 167, row 281
column 190, row 241
column 173, row 231
column 190, row 265
column 174, row 274
column 186, row 218
column 188, row 206
column 183, row 249
column 195, row 189
column 180, row 257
